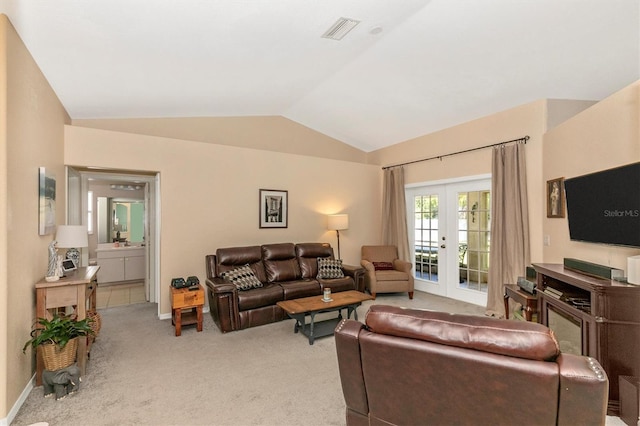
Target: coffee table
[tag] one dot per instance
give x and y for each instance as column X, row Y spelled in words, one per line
column 299, row 309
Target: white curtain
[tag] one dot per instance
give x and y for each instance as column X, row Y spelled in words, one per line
column 509, row 252
column 394, row 212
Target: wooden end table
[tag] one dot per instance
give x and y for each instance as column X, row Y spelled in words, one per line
column 299, row 309
column 529, row 301
column 183, row 299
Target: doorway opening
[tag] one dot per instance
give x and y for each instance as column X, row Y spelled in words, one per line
column 121, row 210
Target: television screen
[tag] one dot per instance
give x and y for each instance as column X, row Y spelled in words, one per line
column 604, row 207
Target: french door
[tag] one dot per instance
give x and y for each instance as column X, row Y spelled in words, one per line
column 449, row 233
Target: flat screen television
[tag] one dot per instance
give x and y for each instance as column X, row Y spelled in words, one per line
column 604, row 207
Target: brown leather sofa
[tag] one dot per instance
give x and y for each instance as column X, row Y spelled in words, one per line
column 286, row 270
column 410, row 367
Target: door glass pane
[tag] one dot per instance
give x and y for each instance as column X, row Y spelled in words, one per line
column 426, row 237
column 484, row 221
column 473, row 239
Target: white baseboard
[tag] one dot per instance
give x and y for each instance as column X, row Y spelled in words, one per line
column 16, row 407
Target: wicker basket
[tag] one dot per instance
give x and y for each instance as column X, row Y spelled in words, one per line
column 96, row 322
column 55, row 358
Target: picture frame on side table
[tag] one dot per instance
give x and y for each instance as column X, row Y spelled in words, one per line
column 555, row 198
column 274, row 209
column 46, row 202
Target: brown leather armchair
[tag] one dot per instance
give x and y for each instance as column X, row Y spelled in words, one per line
column 385, row 273
column 410, row 367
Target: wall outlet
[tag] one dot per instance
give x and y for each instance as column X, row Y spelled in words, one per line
column 547, row 240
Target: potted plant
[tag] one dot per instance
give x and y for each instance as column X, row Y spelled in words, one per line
column 56, row 339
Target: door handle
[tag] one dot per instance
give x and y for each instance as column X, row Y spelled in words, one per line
column 443, row 246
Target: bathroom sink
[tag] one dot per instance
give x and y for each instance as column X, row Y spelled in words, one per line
column 103, row 247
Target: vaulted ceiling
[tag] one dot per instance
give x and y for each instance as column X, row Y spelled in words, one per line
column 409, row 68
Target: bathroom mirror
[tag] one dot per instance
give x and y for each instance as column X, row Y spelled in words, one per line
column 120, row 219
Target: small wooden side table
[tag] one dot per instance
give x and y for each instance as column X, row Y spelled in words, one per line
column 182, row 299
column 78, row 290
column 529, row 301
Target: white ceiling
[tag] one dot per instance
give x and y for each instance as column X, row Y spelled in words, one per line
column 436, row 63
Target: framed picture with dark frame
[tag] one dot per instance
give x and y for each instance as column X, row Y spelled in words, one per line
column 274, row 209
column 555, row 198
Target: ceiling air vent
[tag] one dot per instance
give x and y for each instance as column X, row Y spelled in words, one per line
column 340, row 28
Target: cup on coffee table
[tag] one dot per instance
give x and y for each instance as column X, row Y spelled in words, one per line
column 327, row 294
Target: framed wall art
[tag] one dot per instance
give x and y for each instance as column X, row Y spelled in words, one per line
column 273, row 208
column 46, row 201
column 555, row 197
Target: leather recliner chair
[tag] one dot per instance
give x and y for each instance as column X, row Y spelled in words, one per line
column 384, row 272
column 409, row 367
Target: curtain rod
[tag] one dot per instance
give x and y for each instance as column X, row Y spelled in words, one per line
column 440, row 157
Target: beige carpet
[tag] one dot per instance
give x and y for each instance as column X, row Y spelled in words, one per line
column 140, row 373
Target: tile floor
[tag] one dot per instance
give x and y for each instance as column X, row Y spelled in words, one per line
column 110, row 295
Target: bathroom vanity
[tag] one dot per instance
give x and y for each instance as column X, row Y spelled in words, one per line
column 124, row 263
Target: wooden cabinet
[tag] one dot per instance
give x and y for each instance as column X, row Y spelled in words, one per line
column 605, row 318
column 134, row 267
column 111, row 269
column 121, row 264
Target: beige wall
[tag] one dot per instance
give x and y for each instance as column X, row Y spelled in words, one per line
column 603, row 136
column 5, row 399
column 271, row 133
column 209, row 195
column 529, row 119
column 584, row 137
column 32, row 135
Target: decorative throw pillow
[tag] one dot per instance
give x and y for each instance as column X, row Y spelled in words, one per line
column 383, row 266
column 329, row 268
column 243, row 277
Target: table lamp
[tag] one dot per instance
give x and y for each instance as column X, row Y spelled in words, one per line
column 337, row 222
column 72, row 237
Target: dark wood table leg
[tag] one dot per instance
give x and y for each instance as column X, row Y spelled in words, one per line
column 178, row 321
column 311, row 336
column 299, row 322
column 528, row 314
column 506, row 306
column 354, row 309
column 199, row 317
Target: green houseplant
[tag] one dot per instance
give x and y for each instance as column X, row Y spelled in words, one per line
column 57, row 338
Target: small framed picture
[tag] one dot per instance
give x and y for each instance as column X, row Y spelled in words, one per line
column 273, row 208
column 555, row 197
column 46, row 202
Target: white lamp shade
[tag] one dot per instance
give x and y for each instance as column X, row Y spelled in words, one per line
column 633, row 270
column 72, row 236
column 337, row 222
